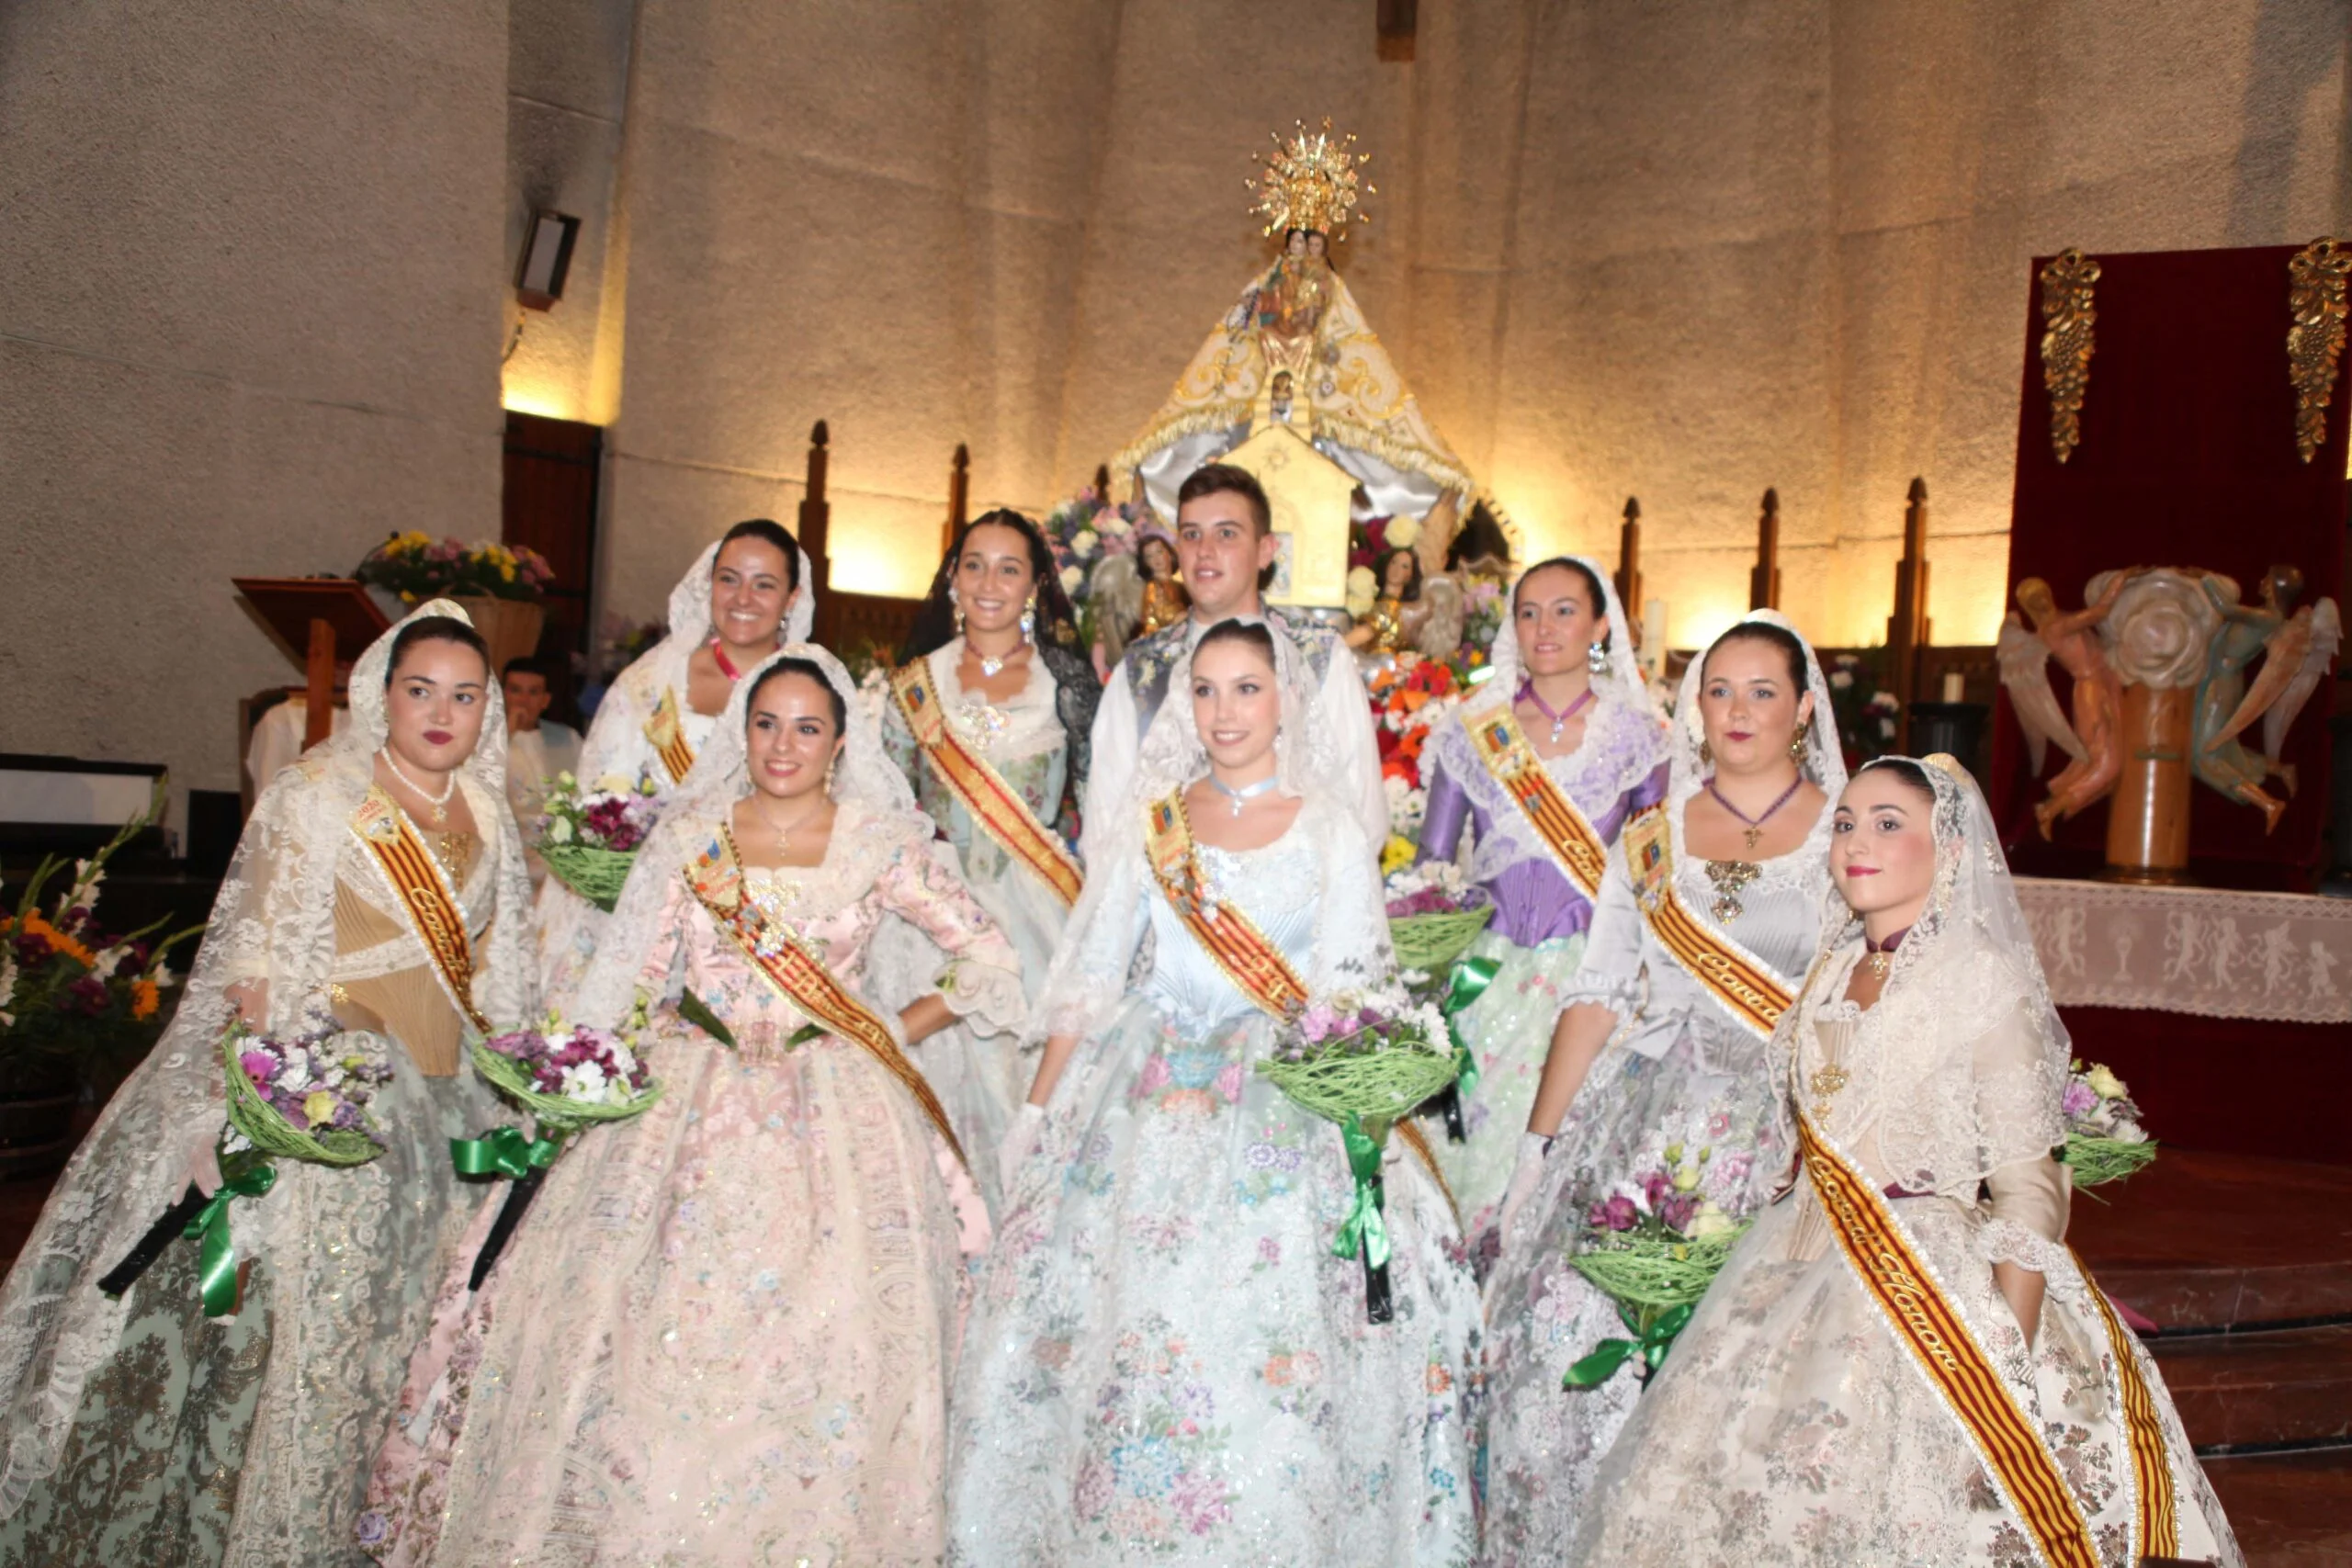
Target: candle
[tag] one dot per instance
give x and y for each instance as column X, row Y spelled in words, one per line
column 1953, row 686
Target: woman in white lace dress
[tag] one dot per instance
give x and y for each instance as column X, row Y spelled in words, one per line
column 1170, row 1361
column 140, row 1430
column 1707, row 916
column 1901, row 1362
column 987, row 716
column 725, row 1333
column 1568, row 699
column 746, row 595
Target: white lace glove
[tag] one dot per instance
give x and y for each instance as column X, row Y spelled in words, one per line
column 1020, row 1142
column 1525, row 1177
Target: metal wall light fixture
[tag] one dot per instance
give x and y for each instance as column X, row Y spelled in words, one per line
column 546, row 257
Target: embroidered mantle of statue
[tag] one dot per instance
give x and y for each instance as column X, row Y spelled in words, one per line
column 2180, row 643
column 1293, row 369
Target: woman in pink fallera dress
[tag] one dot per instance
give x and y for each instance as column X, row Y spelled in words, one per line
column 726, row 1331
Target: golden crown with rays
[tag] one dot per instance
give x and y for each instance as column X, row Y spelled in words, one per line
column 1309, row 182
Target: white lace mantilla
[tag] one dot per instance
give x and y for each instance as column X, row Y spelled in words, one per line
column 2281, row 957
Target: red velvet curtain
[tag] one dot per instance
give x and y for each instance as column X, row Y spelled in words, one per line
column 2187, row 458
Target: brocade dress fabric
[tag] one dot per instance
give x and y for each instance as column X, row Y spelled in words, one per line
column 141, row 1431
column 725, row 1332
column 986, row 1078
column 1537, row 936
column 1676, row 1053
column 1789, row 1424
column 1168, row 1363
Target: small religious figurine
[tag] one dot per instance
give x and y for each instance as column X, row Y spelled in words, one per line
column 2297, row 647
column 1165, row 603
column 1409, row 615
column 2092, row 740
column 1136, row 595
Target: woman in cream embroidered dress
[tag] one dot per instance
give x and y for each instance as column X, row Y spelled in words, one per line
column 726, row 1332
column 1168, row 1361
column 1752, row 728
column 1791, row 1424
column 1565, row 670
column 998, row 638
column 747, row 594
column 141, row 1431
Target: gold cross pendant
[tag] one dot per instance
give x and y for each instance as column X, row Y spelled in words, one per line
column 1826, row 1081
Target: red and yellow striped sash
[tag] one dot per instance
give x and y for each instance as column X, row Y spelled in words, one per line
column 425, row 895
column 669, row 738
column 994, row 805
column 1249, row 957
column 716, row 879
column 2151, row 1466
column 1932, row 1330
column 1499, row 743
column 1743, row 985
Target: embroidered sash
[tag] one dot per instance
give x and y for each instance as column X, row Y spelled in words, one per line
column 716, row 879
column 996, row 805
column 1249, row 957
column 669, row 738
column 1927, row 1325
column 1501, row 746
column 2151, row 1466
column 1743, row 985
column 425, row 895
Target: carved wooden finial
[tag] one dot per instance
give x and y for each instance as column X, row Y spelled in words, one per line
column 1908, row 630
column 1628, row 559
column 819, row 435
column 1103, row 480
column 1632, row 509
column 1918, row 490
column 1772, row 502
column 1764, row 580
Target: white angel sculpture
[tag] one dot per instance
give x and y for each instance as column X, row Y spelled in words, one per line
column 2092, row 740
column 2297, row 647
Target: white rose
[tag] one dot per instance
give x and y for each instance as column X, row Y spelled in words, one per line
column 1084, row 541
column 559, row 830
column 1841, row 679
column 1400, row 534
column 613, row 784
column 1362, row 583
column 2104, row 1083
column 1115, row 524
column 1073, row 579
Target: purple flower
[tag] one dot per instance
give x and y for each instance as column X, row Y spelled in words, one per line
column 259, row 1065
column 373, row 1529
column 2079, row 1099
column 1615, row 1212
column 90, row 993
column 1676, row 1211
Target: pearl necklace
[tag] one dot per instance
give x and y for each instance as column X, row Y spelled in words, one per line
column 1247, row 791
column 440, row 803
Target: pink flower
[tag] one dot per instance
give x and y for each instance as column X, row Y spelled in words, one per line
column 1228, row 1083
column 1154, row 1076
column 259, row 1065
column 1616, row 1212
column 2079, row 1099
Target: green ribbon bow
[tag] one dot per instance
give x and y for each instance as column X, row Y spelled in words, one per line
column 1649, row 1343
column 1365, row 1229
column 1470, row 978
column 216, row 1269
column 505, row 1151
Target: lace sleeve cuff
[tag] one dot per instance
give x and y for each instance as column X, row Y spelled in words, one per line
column 993, row 995
column 2007, row 1241
column 1620, row 994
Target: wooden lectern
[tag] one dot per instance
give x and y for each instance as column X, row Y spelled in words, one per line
column 323, row 624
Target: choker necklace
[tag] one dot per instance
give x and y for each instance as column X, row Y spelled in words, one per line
column 1755, row 824
column 990, row 668
column 1560, row 720
column 1881, row 954
column 440, row 803
column 1246, row 792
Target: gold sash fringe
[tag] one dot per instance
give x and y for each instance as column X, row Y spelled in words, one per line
column 994, row 805
column 425, row 895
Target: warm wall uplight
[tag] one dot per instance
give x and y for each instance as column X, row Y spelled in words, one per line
column 547, row 404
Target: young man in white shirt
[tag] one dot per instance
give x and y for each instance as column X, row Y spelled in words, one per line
column 537, row 749
column 1226, row 549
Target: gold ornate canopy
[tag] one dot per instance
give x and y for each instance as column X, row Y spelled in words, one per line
column 1311, row 183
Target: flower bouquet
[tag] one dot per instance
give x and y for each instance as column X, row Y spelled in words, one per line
column 1655, row 1242
column 1084, row 531
column 1364, row 1060
column 1434, row 914
column 589, row 839
column 567, row 1079
column 2104, row 1139
column 303, row 1097
column 415, row 566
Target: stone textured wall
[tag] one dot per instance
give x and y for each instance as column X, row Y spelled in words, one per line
column 249, row 324
column 251, row 273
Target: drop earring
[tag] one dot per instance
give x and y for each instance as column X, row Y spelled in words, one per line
column 1596, row 659
column 1706, row 753
column 1029, row 620
column 831, row 770
column 1796, row 747
column 959, row 604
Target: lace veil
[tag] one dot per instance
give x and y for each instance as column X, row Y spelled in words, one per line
column 1089, row 977
column 1972, row 1058
column 1825, row 757
column 1622, row 681
column 721, row 777
column 273, row 924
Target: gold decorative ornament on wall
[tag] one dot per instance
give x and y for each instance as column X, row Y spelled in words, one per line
column 2067, row 318
column 2315, row 341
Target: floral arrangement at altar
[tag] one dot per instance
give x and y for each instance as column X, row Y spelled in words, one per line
column 1865, row 709
column 69, row 990
column 415, row 566
column 1655, row 1242
column 1084, row 533
column 1408, row 697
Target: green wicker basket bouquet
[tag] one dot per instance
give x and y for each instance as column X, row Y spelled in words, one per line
column 302, row 1097
column 1435, row 915
column 1654, row 1244
column 567, row 1080
column 2104, row 1139
column 589, row 839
